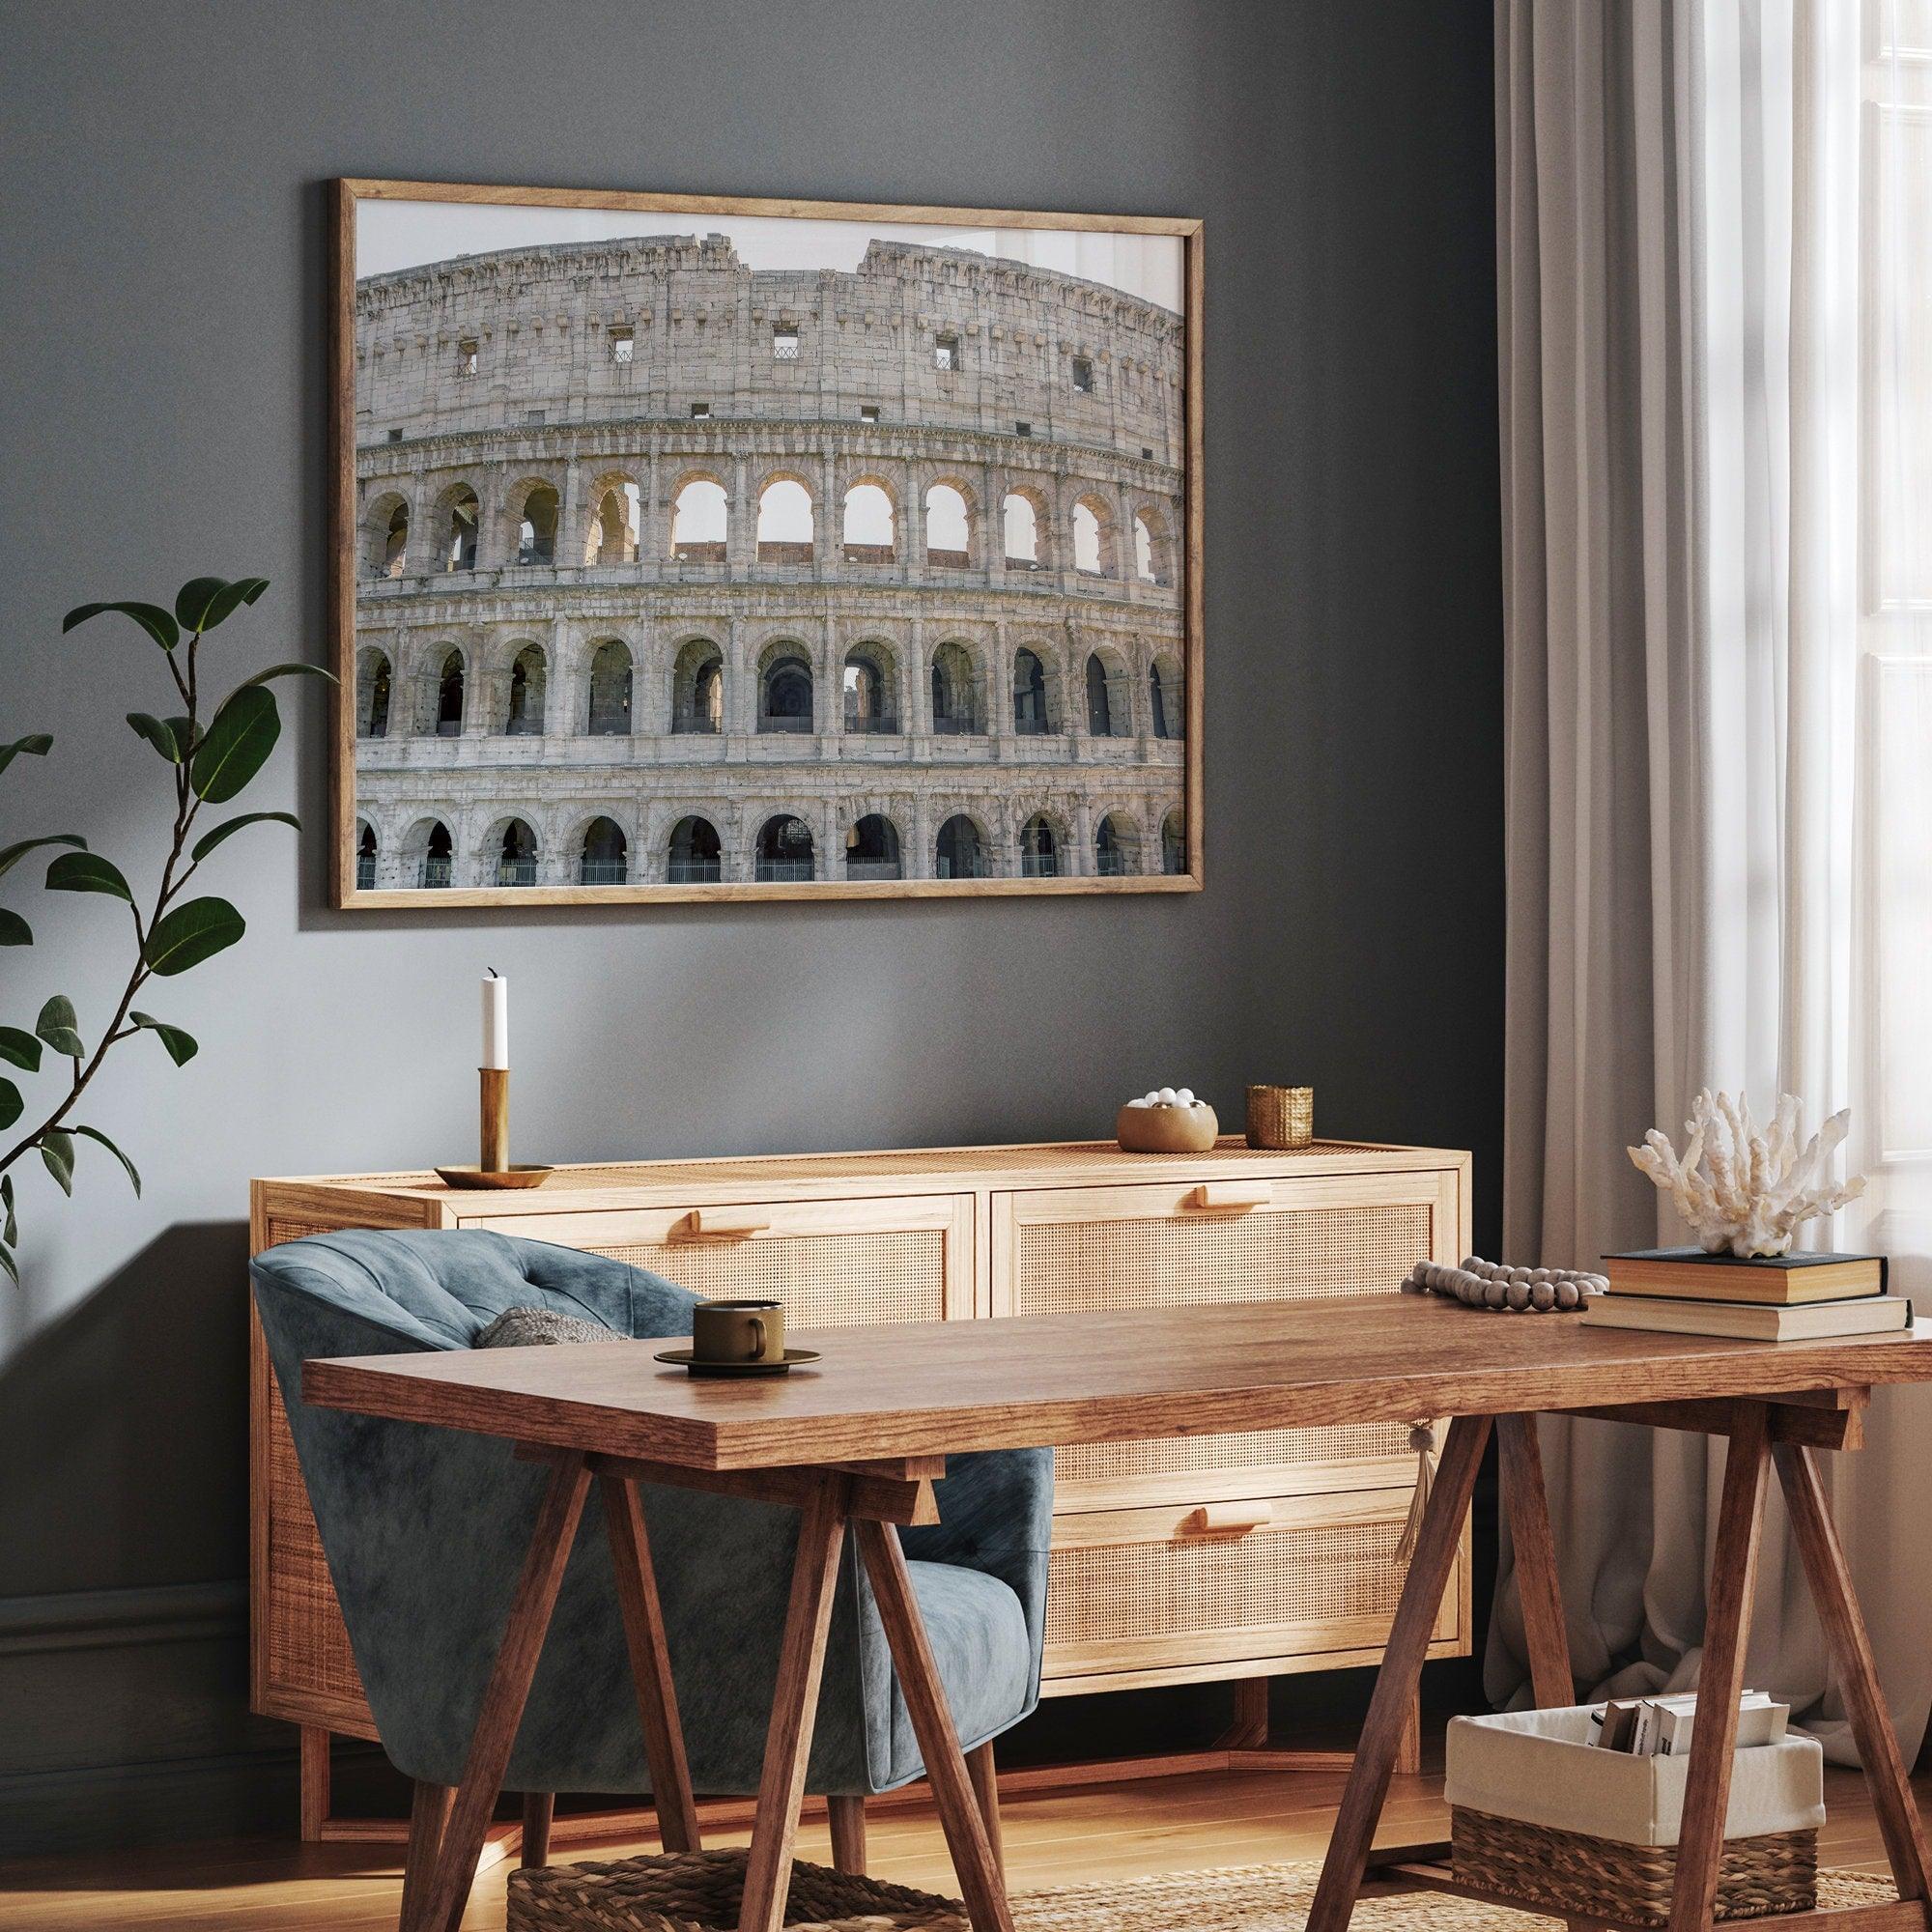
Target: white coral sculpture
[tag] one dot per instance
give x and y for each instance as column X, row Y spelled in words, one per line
column 1743, row 1189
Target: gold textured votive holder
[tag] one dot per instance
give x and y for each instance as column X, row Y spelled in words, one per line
column 1281, row 1117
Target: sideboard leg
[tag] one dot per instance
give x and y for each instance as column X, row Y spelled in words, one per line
column 1429, row 1571
column 1720, row 1677
column 1538, row 1589
column 1409, row 1746
column 1825, row 1569
column 848, row 1835
column 314, row 1782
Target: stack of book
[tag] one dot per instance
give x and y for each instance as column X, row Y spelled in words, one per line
column 1756, row 1299
column 1661, row 1726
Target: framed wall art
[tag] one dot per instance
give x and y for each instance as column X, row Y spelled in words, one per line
column 689, row 548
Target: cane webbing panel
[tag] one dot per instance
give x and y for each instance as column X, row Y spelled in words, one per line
column 1271, row 1255
column 1107, row 1593
column 823, row 1280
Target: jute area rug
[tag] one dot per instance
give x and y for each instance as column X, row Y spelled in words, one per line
column 1275, row 1899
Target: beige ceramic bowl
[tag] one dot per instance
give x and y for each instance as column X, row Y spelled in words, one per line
column 1166, row 1129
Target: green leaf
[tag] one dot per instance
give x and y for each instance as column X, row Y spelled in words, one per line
column 87, row 873
column 12, row 1266
column 190, row 934
column 192, row 599
column 57, row 1151
column 229, row 599
column 20, row 1048
column 13, row 853
column 57, row 1026
column 13, row 929
column 11, row 1103
column 239, row 737
column 160, row 736
column 186, row 737
column 209, row 841
column 182, row 1047
column 36, row 744
column 9, row 1230
column 94, row 1134
column 151, row 617
column 289, row 670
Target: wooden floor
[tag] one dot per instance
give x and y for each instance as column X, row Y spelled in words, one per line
column 1107, row 1833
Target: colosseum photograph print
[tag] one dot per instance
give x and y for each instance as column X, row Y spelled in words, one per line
column 691, row 548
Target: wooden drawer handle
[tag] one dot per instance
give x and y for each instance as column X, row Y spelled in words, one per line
column 1224, row 1519
column 1232, row 1194
column 715, row 1222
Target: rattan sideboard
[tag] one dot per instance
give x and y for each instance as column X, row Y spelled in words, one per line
column 1229, row 1557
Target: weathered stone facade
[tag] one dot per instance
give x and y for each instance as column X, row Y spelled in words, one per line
column 549, row 630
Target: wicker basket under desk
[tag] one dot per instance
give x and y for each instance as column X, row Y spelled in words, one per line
column 1539, row 1814
column 702, row 1892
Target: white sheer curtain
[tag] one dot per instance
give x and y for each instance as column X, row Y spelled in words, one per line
column 1716, row 376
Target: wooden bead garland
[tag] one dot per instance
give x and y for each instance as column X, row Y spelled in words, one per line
column 1480, row 1284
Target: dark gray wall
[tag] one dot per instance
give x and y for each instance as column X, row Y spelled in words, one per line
column 162, row 300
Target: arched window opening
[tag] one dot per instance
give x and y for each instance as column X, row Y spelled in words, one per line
column 1116, row 848
column 466, row 515
column 449, row 697
column 784, row 849
column 1099, row 700
column 872, row 525
column 390, row 542
column 1173, row 845
column 960, row 853
column 610, row 714
column 517, row 856
column 1164, row 697
column 699, row 523
column 372, row 695
column 365, row 856
column 1040, row 850
column 1150, row 549
column 697, row 690
column 873, row 849
column 1022, row 533
column 605, row 860
column 784, row 693
column 614, row 529
column 536, row 533
column 438, row 854
column 695, row 858
column 956, row 710
column 1085, row 541
column 870, row 704
column 1029, row 695
column 523, row 718
column 784, row 523
column 948, row 529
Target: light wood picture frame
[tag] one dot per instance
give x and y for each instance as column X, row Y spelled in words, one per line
column 695, row 547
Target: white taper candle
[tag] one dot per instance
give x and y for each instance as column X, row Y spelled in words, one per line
column 495, row 1021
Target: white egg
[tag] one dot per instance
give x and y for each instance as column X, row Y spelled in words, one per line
column 1153, row 1097
column 1167, row 1096
column 1185, row 1095
column 1137, row 1103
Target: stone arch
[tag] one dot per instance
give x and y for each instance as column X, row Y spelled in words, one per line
column 951, row 512
column 1108, row 694
column 700, row 517
column 962, row 849
column 694, row 850
column 1172, row 843
column 1153, row 547
column 1026, row 521
column 457, row 527
column 787, row 518
column 1091, row 534
column 375, row 692
column 1043, row 844
column 509, row 851
column 532, row 511
column 429, row 854
column 526, row 690
column 385, row 535
column 868, row 697
column 603, row 852
column 786, row 849
column 872, row 846
column 609, row 689
column 1117, row 843
column 614, row 527
column 1167, row 696
column 956, row 673
column 368, row 853
column 697, row 687
column 787, row 687
column 448, row 681
column 868, row 529
column 1039, row 690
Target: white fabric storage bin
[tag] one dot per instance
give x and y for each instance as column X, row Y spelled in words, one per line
column 1539, row 1767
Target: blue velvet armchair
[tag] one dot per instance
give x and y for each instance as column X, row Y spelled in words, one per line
column 424, row 1530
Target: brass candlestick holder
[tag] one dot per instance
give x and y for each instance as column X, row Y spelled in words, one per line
column 494, row 1167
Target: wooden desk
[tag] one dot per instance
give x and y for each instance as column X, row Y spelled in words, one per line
column 860, row 1440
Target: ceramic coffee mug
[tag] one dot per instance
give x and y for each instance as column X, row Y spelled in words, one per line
column 751, row 1330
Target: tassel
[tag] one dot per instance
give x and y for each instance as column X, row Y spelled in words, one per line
column 1428, row 1450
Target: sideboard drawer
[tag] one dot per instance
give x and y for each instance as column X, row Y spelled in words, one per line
column 1283, row 1237
column 1297, row 1582
column 897, row 1257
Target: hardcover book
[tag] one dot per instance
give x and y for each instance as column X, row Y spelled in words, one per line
column 1782, row 1280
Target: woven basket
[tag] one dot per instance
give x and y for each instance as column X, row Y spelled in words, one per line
column 1281, row 1117
column 1571, row 1874
column 702, row 1892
